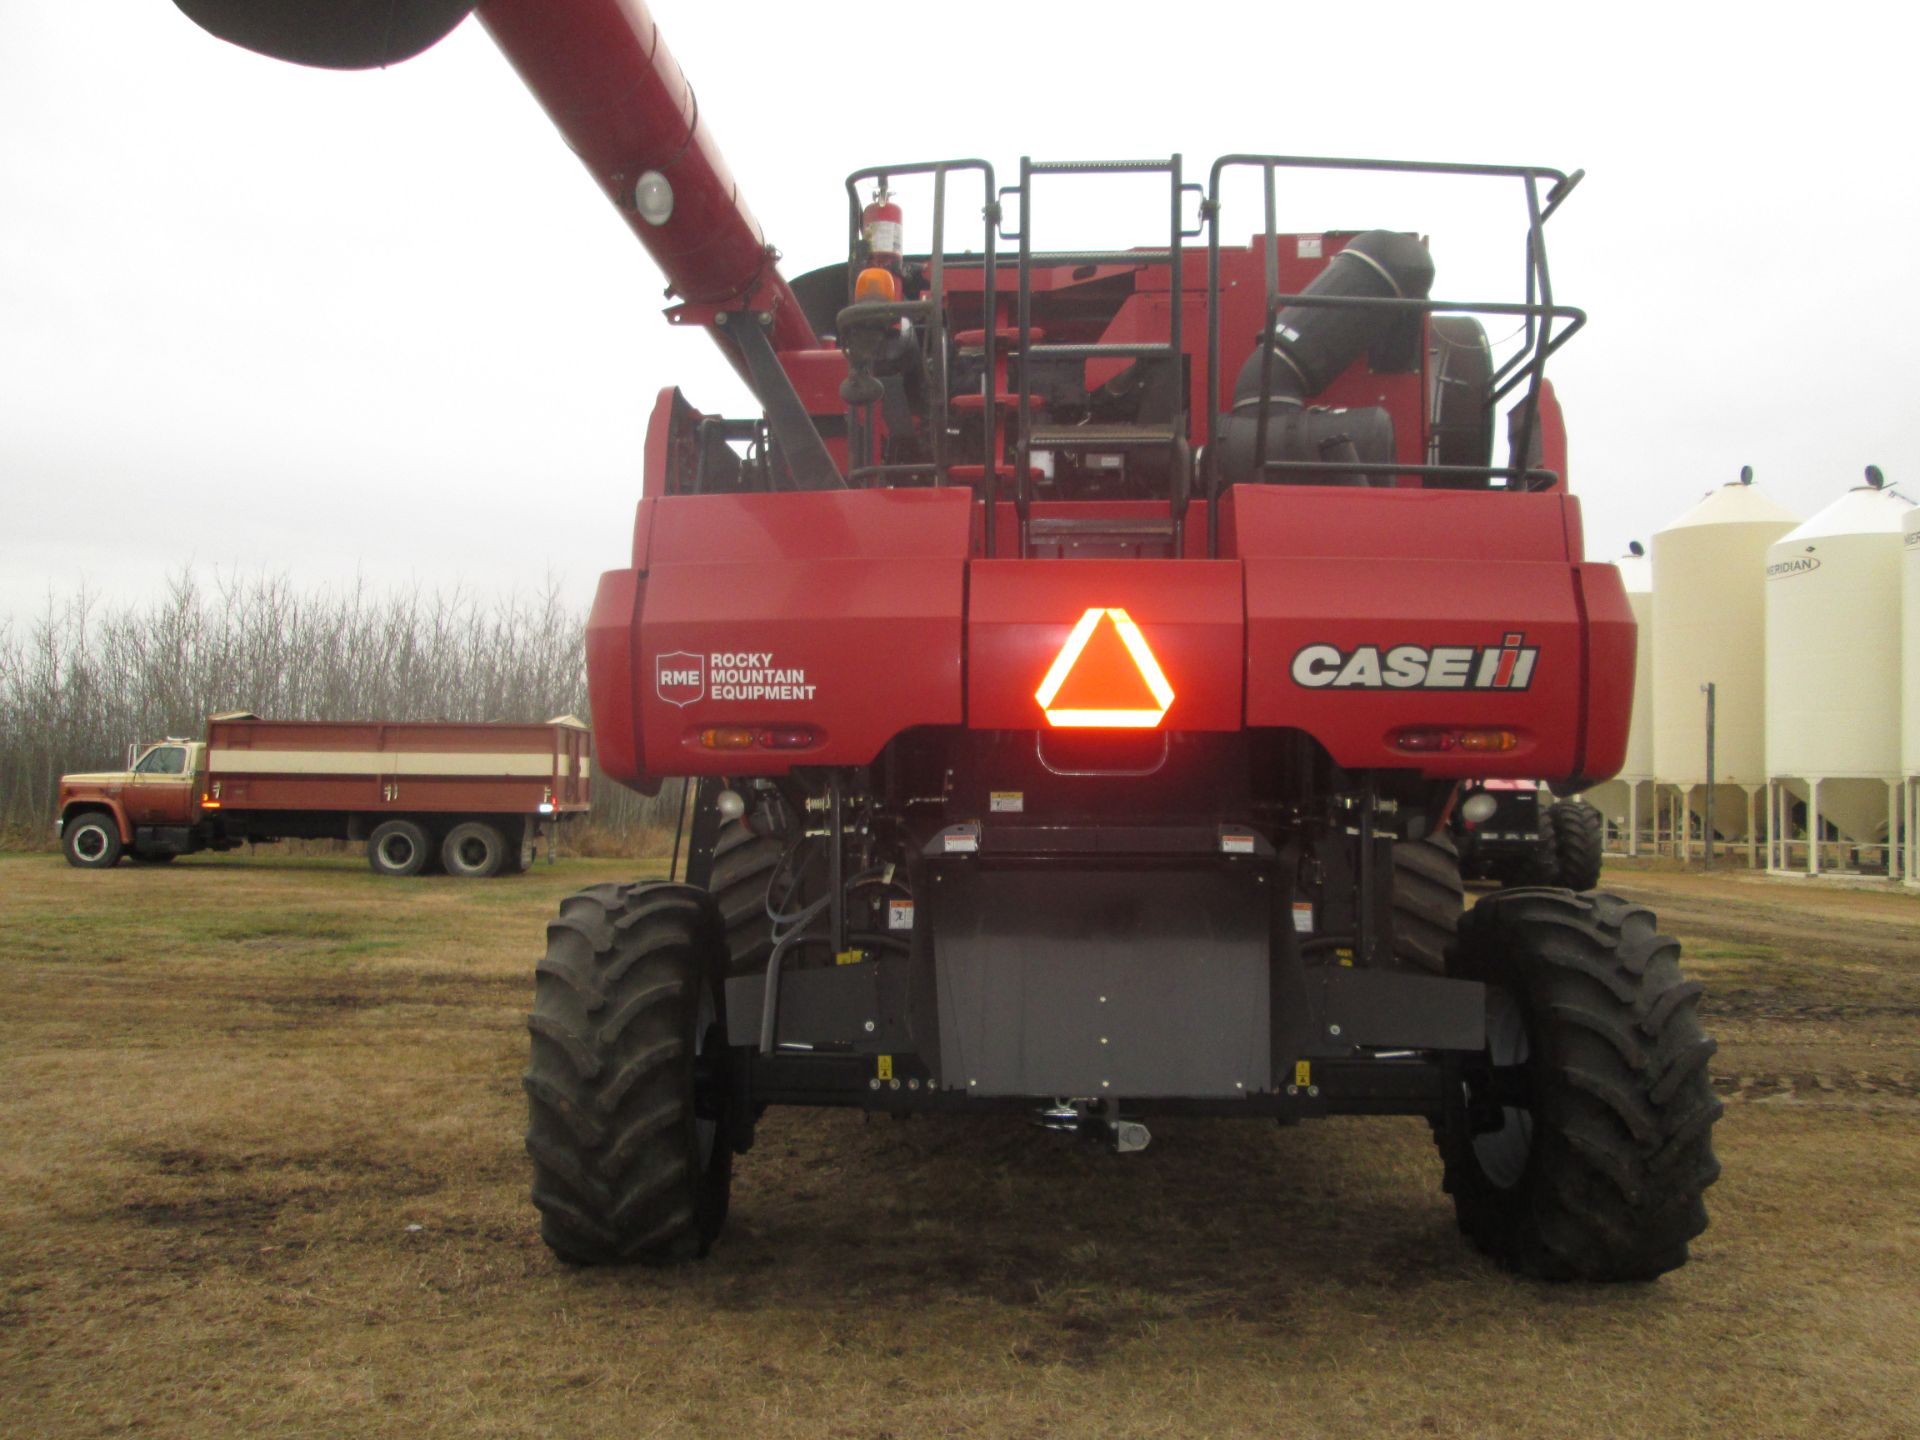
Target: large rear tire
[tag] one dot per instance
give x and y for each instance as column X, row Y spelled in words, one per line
column 1427, row 901
column 743, row 863
column 628, row 1164
column 1594, row 1167
column 1578, row 830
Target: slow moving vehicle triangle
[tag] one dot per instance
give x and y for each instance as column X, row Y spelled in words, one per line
column 1105, row 676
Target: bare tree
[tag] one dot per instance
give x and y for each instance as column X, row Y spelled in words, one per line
column 81, row 681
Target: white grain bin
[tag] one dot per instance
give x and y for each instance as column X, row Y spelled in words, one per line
column 1626, row 800
column 1833, row 593
column 1910, row 684
column 1709, row 570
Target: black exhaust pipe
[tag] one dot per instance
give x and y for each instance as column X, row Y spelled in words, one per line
column 330, row 34
column 1312, row 345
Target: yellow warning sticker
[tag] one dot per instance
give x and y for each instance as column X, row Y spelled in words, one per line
column 1303, row 1072
column 883, row 1067
column 849, row 957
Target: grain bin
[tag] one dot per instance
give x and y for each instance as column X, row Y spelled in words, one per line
column 1626, row 800
column 1709, row 570
column 1910, row 685
column 1833, row 593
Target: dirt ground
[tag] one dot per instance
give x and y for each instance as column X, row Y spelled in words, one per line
column 262, row 1175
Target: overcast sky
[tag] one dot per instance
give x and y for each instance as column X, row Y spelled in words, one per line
column 384, row 325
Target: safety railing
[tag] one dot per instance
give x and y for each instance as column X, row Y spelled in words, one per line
column 1543, row 332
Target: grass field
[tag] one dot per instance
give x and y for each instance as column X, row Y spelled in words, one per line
column 262, row 1176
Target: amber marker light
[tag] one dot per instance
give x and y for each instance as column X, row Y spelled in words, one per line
column 1480, row 742
column 1115, row 717
column 1486, row 741
column 875, row 283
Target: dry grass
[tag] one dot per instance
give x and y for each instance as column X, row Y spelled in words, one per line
column 264, row 1177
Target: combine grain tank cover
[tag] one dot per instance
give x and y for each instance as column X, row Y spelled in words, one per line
column 1833, row 658
column 1709, row 570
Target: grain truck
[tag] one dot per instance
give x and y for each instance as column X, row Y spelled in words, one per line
column 469, row 799
column 1076, row 654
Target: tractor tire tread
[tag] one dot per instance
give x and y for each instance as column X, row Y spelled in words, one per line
column 618, row 1176
column 1623, row 1106
column 1579, row 833
column 1428, row 899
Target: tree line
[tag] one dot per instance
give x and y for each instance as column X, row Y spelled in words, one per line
column 82, row 680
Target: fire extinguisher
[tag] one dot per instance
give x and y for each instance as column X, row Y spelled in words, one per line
column 882, row 226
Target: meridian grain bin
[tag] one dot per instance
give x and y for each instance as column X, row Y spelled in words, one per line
column 1833, row 592
column 1626, row 800
column 1709, row 572
column 1910, row 685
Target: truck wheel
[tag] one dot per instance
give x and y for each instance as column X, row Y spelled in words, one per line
column 1427, row 900
column 742, row 865
column 473, row 850
column 627, row 1166
column 1589, row 1162
column 1577, row 829
column 398, row 847
column 92, row 841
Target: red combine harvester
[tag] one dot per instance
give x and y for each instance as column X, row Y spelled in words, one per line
column 1078, row 658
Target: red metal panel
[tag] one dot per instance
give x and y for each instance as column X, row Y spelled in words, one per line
column 316, row 775
column 1612, row 644
column 839, row 611
column 611, row 627
column 1469, row 525
column 1022, row 612
column 1300, row 604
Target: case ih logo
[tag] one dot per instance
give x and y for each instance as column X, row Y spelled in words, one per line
column 680, row 678
column 1506, row 666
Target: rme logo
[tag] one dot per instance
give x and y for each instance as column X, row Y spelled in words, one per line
column 1506, row 666
column 680, row 678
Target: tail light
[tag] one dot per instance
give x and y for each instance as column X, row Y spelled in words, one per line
column 1429, row 740
column 746, row 737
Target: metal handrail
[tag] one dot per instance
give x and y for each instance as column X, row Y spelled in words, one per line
column 936, row 328
column 1540, row 341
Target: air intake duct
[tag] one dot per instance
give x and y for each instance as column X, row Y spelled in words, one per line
column 1312, row 345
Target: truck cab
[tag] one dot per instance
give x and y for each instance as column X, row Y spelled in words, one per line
column 146, row 811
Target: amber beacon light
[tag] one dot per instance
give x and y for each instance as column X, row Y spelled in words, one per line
column 1105, row 677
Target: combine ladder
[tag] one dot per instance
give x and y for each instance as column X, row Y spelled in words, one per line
column 1167, row 535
